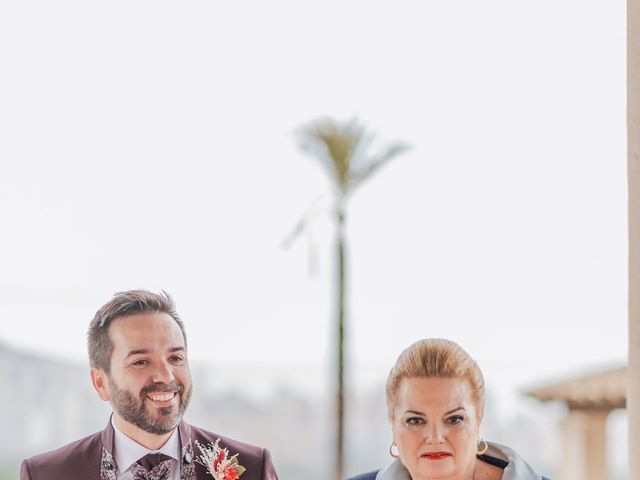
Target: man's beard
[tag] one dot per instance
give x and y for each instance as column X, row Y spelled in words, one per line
column 135, row 412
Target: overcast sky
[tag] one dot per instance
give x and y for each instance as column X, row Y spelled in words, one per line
column 151, row 144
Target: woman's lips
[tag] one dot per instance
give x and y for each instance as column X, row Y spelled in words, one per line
column 436, row 455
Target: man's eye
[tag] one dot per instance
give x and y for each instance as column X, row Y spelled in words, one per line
column 455, row 419
column 177, row 359
column 140, row 362
column 414, row 421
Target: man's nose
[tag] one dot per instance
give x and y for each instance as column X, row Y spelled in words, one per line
column 163, row 373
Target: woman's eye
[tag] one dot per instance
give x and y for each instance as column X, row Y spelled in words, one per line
column 455, row 420
column 414, row 421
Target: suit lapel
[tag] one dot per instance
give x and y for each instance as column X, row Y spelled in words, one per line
column 107, row 462
column 107, row 466
column 187, row 457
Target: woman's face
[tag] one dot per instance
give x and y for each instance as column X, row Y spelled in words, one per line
column 435, row 426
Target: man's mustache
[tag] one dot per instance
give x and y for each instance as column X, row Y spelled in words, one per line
column 163, row 387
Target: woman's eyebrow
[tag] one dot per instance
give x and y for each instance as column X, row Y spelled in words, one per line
column 454, row 410
column 414, row 412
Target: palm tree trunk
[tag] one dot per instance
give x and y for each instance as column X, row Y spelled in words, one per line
column 340, row 224
column 633, row 133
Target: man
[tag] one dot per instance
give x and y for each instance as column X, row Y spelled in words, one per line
column 138, row 355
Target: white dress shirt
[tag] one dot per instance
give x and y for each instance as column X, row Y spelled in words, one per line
column 127, row 452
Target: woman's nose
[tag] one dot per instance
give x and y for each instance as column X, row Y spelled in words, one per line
column 434, row 433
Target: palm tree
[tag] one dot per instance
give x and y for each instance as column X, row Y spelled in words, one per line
column 343, row 149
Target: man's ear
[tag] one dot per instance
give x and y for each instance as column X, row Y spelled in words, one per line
column 100, row 383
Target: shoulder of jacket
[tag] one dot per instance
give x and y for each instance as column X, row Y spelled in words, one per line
column 365, row 476
column 73, row 453
column 234, row 446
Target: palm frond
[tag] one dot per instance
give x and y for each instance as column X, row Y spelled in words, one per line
column 334, row 144
column 374, row 163
column 343, row 149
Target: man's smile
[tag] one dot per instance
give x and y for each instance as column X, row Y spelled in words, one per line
column 161, row 396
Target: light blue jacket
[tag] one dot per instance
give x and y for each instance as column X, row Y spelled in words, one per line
column 517, row 469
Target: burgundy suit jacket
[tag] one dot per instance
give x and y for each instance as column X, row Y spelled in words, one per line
column 91, row 458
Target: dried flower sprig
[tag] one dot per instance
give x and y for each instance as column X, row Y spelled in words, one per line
column 218, row 463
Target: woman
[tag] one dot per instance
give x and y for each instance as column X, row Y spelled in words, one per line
column 435, row 397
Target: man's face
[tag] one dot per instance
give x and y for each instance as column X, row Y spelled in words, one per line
column 150, row 383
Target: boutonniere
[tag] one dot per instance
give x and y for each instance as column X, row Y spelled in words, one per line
column 218, row 463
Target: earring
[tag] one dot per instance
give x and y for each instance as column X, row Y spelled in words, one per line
column 392, row 453
column 483, row 450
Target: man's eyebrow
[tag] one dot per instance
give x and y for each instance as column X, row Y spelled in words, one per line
column 140, row 351
column 143, row 351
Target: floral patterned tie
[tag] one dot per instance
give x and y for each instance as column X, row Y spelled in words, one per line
column 153, row 466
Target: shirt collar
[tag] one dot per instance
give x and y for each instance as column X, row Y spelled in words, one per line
column 128, row 451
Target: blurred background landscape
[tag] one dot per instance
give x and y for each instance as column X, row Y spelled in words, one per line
column 153, row 145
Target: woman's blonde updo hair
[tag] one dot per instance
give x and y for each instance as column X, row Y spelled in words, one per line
column 436, row 358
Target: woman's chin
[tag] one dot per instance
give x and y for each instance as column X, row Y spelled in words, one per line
column 428, row 469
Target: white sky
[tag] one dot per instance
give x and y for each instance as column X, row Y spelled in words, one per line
column 150, row 144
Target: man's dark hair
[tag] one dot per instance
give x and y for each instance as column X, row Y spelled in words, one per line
column 123, row 304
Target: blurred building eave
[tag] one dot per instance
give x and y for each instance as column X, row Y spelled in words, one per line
column 605, row 389
column 590, row 399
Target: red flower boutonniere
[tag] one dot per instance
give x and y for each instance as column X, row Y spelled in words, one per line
column 218, row 463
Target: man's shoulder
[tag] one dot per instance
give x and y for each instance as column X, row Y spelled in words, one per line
column 205, row 437
column 63, row 459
